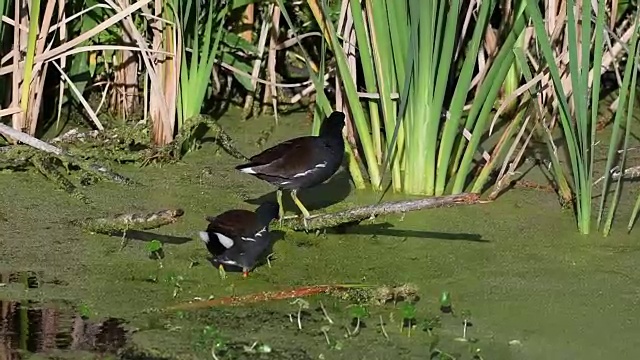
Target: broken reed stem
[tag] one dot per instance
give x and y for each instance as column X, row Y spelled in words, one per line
column 357, row 214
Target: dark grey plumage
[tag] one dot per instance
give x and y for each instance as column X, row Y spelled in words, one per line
column 302, row 162
column 240, row 237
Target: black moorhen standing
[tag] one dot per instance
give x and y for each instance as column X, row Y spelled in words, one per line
column 239, row 237
column 302, row 162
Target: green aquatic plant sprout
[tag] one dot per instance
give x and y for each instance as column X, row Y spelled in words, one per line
column 357, row 313
column 177, row 284
column 156, row 252
column 84, row 310
column 466, row 324
column 211, row 338
column 431, row 323
column 325, row 330
column 154, row 247
column 408, row 313
column 302, row 304
column 445, row 302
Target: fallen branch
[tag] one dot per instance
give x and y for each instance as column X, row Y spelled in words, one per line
column 64, row 156
column 299, row 292
column 123, row 222
column 354, row 215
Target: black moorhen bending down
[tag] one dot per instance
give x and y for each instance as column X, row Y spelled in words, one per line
column 239, row 237
column 302, row 162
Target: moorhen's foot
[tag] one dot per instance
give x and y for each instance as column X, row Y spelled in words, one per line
column 304, row 221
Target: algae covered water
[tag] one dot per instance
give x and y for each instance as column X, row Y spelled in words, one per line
column 523, row 284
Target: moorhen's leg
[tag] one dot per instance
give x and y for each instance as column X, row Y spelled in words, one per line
column 223, row 274
column 305, row 212
column 280, row 208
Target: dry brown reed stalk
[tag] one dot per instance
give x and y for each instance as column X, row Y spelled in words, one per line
column 161, row 72
column 62, row 17
column 125, row 95
column 270, row 93
column 9, row 111
column 247, row 23
column 341, row 102
column 21, row 22
column 39, row 71
column 556, row 27
column 66, row 48
column 168, row 38
column 347, row 31
column 257, row 64
column 27, row 119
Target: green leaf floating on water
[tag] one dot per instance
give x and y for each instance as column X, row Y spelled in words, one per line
column 445, row 302
column 358, row 311
column 408, row 311
column 154, row 246
column 84, row 310
column 445, row 299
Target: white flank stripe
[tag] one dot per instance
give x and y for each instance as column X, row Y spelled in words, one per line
column 247, row 239
column 248, row 170
column 230, row 262
column 324, row 164
column 303, row 173
column 224, row 240
column 204, row 236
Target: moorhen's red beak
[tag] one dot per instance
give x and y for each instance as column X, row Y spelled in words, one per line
column 245, row 274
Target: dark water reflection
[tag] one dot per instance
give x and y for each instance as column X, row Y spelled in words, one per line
column 31, row 327
column 30, row 279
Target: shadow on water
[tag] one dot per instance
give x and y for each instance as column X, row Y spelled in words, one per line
column 387, row 229
column 318, row 197
column 147, row 236
column 31, row 327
